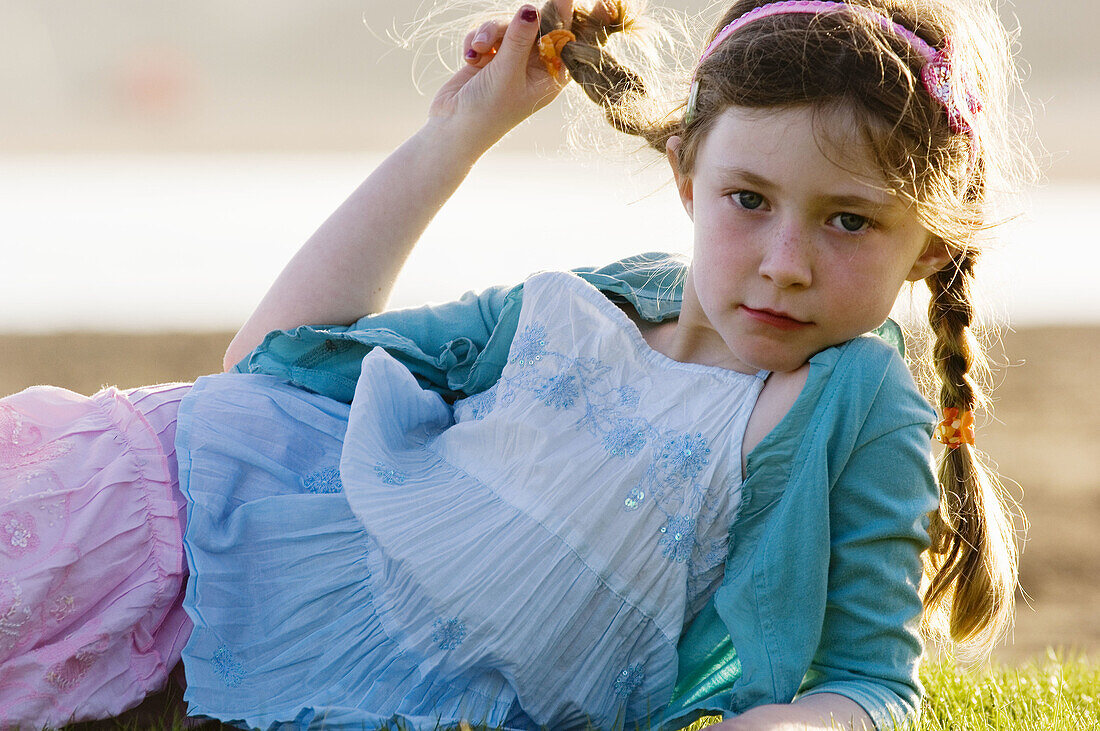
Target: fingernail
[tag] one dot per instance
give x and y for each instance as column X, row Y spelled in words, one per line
column 529, row 14
column 471, row 53
column 482, row 38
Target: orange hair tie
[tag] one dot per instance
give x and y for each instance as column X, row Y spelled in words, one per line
column 957, row 428
column 550, row 46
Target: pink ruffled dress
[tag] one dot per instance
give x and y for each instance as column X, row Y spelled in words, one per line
column 91, row 562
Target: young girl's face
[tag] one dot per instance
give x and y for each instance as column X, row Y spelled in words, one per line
column 793, row 252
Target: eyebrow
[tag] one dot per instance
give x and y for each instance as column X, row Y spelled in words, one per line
column 836, row 200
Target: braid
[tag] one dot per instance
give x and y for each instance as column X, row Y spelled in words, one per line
column 604, row 80
column 972, row 559
column 951, row 314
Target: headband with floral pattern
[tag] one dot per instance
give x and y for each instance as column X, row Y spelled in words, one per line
column 953, row 91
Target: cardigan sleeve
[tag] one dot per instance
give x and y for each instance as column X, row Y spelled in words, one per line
column 441, row 344
column 870, row 645
column 455, row 349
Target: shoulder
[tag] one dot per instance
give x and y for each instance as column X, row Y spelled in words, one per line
column 871, row 374
column 870, row 418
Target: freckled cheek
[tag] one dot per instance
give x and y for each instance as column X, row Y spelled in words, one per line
column 863, row 303
column 727, row 253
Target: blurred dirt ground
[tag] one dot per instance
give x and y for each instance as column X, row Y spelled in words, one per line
column 1044, row 438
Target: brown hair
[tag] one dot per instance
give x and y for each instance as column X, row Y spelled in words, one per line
column 844, row 60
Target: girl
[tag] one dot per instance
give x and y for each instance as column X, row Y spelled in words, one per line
column 630, row 494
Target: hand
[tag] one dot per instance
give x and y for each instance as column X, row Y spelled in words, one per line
column 817, row 712
column 504, row 82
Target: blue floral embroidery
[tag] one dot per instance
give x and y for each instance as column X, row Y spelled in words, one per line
column 226, row 666
column 678, row 538
column 481, row 404
column 449, row 633
column 629, row 679
column 716, row 553
column 628, row 396
column 671, row 482
column 560, row 391
column 684, row 455
column 324, row 481
column 625, row 438
column 389, row 475
column 530, row 346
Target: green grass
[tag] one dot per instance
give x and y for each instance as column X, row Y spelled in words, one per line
column 1060, row 692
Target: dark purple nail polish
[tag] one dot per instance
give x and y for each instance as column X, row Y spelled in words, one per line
column 529, row 14
column 471, row 53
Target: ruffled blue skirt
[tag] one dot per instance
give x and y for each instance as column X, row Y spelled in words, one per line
column 286, row 634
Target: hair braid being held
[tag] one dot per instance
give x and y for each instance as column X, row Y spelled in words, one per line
column 606, row 81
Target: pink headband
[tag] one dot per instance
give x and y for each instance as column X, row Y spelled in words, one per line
column 936, row 72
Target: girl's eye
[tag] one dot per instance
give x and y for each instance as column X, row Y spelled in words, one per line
column 749, row 200
column 852, row 222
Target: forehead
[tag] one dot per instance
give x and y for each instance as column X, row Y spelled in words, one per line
column 818, row 147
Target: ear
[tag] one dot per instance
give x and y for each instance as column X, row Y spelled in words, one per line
column 683, row 181
column 934, row 257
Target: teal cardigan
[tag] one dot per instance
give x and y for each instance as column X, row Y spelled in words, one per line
column 820, row 590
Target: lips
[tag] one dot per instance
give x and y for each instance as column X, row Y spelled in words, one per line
column 777, row 319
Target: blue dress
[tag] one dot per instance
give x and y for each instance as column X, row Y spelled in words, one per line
column 528, row 556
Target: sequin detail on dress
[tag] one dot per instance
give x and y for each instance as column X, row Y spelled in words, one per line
column 629, row 679
column 678, row 538
column 684, row 455
column 625, row 438
column 528, row 348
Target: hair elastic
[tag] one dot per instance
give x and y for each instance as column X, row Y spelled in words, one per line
column 550, row 45
column 937, row 73
column 956, row 429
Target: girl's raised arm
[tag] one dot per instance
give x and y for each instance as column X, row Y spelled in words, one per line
column 347, row 268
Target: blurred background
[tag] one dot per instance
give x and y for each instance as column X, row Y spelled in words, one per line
column 161, row 162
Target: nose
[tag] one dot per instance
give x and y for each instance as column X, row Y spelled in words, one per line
column 785, row 260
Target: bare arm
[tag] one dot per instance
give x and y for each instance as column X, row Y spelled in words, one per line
column 812, row 713
column 348, row 267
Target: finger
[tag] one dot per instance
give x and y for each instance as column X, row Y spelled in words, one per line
column 481, row 43
column 519, row 38
column 485, row 58
column 468, row 53
column 488, row 36
column 605, row 11
column 565, row 12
